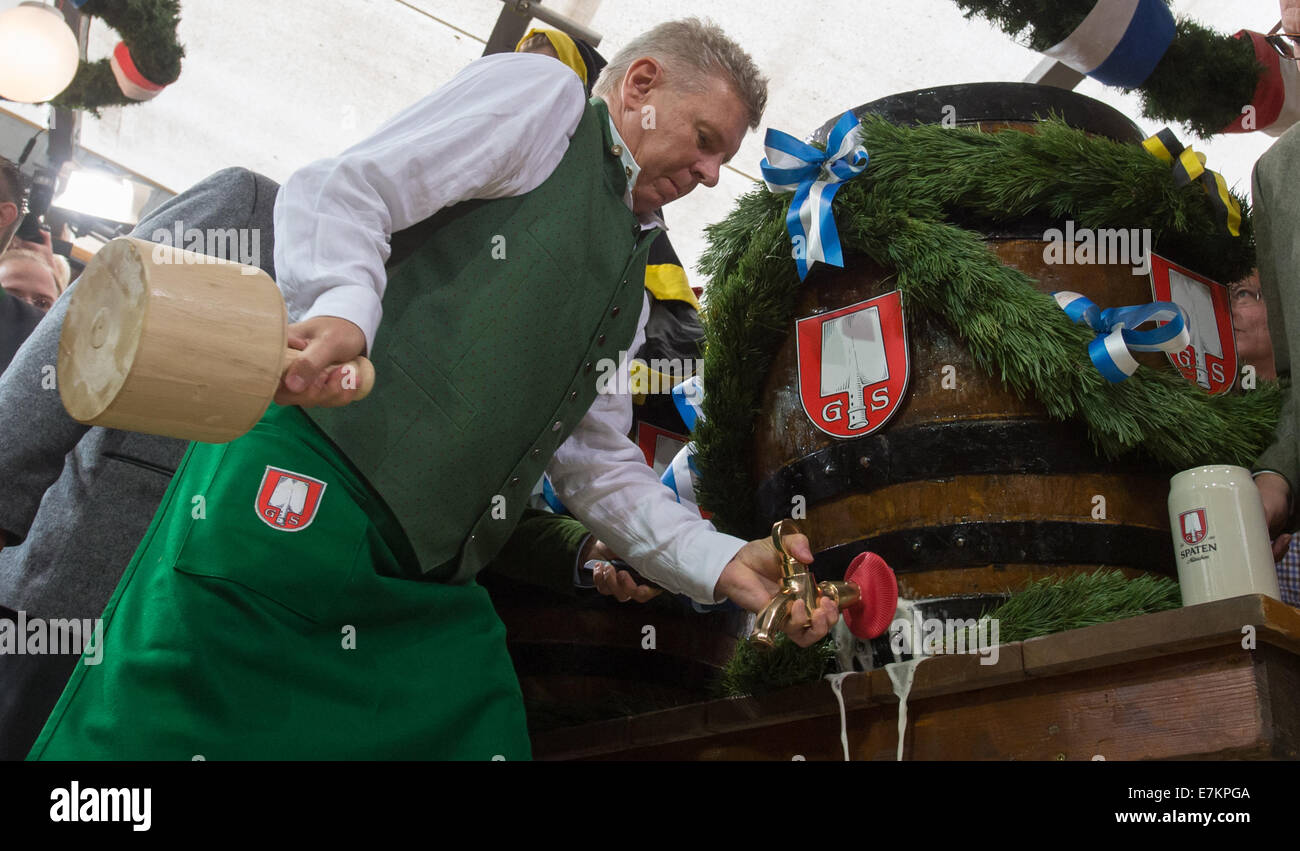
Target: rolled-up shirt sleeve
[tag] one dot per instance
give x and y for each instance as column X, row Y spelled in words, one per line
column 497, row 130
column 602, row 477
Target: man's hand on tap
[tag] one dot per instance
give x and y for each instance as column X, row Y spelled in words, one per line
column 753, row 576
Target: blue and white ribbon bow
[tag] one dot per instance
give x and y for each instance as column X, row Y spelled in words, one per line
column 689, row 399
column 1116, row 337
column 814, row 176
column 1120, row 42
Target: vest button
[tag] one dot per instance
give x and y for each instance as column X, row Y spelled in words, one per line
column 573, row 396
column 616, row 150
column 514, row 481
column 557, row 425
column 615, row 312
column 586, row 367
column 600, row 341
column 536, row 453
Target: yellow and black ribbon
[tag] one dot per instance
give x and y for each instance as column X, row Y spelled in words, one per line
column 1189, row 166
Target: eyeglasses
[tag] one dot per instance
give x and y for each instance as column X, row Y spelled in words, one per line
column 1245, row 295
column 1284, row 42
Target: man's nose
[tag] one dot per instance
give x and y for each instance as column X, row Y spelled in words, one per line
column 707, row 170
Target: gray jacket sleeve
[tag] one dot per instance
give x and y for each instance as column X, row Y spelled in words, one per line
column 1277, row 225
column 36, row 431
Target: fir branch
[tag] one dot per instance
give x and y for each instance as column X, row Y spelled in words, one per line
column 753, row 671
column 1203, row 80
column 1056, row 604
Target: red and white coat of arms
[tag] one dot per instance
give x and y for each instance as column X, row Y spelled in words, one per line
column 1192, row 525
column 853, row 365
column 287, row 501
column 1211, row 359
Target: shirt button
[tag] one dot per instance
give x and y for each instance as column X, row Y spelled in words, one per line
column 628, row 170
column 616, row 150
column 600, row 341
column 615, row 312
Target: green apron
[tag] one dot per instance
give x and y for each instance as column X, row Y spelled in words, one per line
column 237, row 635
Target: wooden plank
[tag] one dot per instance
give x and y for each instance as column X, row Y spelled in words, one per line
column 1204, row 706
column 1177, row 684
column 1278, row 680
column 1144, row 637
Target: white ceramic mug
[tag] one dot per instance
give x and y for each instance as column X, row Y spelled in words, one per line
column 1220, row 536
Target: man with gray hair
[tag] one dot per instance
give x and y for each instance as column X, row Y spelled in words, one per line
column 346, row 622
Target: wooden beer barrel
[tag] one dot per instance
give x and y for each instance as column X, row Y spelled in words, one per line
column 585, row 658
column 968, row 489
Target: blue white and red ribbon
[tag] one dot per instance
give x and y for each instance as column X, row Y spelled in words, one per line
column 1119, row 43
column 681, row 475
column 1116, row 334
column 688, row 396
column 814, row 176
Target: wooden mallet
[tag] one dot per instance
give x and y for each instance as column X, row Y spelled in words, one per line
column 166, row 341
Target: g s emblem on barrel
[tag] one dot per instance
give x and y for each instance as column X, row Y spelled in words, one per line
column 854, row 366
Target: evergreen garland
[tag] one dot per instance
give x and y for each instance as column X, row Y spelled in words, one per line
column 148, row 28
column 896, row 213
column 752, row 671
column 1059, row 603
column 1203, row 80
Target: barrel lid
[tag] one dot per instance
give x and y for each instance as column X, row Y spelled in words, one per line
column 971, row 103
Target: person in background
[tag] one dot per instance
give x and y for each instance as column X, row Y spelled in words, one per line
column 28, row 276
column 75, row 500
column 17, row 317
column 1250, row 327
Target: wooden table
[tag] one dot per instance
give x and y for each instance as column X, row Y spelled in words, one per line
column 1215, row 681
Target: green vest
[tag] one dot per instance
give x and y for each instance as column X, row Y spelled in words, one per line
column 487, row 357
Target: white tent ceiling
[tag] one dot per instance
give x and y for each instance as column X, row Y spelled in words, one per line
column 272, row 86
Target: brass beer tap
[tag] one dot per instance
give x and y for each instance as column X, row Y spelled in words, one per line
column 798, row 583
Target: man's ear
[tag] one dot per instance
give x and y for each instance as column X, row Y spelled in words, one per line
column 8, row 215
column 642, row 75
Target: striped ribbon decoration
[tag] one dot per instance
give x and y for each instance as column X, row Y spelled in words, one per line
column 1119, row 43
column 1116, row 337
column 688, row 396
column 133, row 84
column 1189, row 166
column 814, row 176
column 681, row 476
column 1276, row 103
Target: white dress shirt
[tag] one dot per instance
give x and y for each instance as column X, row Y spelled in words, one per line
column 497, row 130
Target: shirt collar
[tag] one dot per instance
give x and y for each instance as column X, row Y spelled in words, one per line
column 633, row 171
